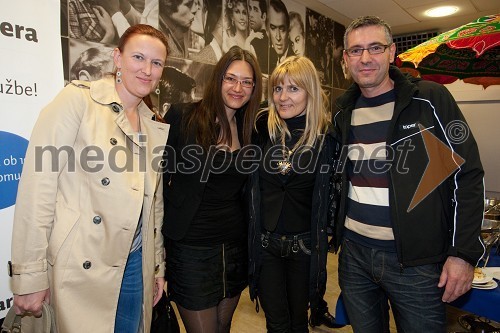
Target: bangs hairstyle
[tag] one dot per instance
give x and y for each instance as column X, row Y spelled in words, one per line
column 209, row 123
column 301, row 72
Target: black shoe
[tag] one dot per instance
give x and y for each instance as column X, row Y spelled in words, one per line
column 326, row 319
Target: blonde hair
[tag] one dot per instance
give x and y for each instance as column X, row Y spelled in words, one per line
column 301, row 71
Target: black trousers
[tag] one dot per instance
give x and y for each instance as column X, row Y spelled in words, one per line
column 284, row 282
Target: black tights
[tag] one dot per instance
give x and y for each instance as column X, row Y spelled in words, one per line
column 216, row 319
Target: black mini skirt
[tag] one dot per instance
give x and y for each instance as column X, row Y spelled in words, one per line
column 199, row 277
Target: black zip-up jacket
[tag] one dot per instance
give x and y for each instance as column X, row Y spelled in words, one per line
column 320, row 218
column 447, row 221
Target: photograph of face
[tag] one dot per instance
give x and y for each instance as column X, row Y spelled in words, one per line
column 175, row 20
column 278, row 24
column 211, row 16
column 257, row 14
column 202, row 31
column 89, row 61
column 259, row 39
column 296, row 34
column 236, row 26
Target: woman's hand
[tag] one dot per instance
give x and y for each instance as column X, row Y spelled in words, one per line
column 158, row 289
column 251, row 36
column 31, row 303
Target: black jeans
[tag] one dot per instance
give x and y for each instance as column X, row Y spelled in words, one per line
column 284, row 282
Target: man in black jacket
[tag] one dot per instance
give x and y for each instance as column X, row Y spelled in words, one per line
column 411, row 207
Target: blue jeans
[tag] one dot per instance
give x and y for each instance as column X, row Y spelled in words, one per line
column 129, row 310
column 369, row 278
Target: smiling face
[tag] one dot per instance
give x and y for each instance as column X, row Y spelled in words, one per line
column 289, row 99
column 184, row 16
column 235, row 96
column 370, row 71
column 141, row 64
column 240, row 17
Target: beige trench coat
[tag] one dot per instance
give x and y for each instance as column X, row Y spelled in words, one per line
column 75, row 217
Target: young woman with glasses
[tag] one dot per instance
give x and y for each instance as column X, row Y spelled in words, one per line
column 205, row 227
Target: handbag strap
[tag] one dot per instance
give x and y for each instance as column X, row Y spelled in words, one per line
column 12, row 322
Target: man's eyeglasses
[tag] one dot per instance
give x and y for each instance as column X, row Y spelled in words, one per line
column 246, row 83
column 358, row 51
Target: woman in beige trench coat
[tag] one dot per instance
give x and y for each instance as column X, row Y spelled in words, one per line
column 88, row 195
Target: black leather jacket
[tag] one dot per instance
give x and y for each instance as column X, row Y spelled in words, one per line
column 446, row 220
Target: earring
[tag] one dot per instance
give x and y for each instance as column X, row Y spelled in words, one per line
column 118, row 77
column 157, row 91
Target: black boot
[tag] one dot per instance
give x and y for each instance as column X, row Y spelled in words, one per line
column 318, row 318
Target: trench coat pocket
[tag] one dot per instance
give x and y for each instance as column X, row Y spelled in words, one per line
column 64, row 221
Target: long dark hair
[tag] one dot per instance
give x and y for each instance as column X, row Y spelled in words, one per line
column 144, row 29
column 204, row 120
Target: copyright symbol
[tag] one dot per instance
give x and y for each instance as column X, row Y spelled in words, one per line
column 457, row 131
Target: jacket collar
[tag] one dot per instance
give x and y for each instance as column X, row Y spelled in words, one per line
column 103, row 92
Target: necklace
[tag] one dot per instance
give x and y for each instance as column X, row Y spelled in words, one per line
column 284, row 166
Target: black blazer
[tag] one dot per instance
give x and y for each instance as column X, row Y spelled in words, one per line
column 186, row 172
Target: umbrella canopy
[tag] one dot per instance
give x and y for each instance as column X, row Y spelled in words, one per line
column 470, row 52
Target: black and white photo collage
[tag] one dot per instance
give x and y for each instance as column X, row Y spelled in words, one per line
column 199, row 33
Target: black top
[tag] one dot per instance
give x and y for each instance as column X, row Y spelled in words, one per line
column 186, row 172
column 220, row 216
column 292, row 192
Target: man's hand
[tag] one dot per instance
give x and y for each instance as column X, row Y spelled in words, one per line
column 457, row 276
column 31, row 303
column 106, row 23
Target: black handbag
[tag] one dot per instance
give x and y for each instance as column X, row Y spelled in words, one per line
column 164, row 319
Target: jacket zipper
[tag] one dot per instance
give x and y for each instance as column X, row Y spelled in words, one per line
column 224, row 271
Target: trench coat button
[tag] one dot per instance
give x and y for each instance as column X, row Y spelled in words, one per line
column 116, row 107
column 97, row 219
column 113, row 141
column 155, row 232
column 105, row 181
column 87, row 264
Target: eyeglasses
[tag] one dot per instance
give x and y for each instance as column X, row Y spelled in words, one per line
column 246, row 83
column 375, row 49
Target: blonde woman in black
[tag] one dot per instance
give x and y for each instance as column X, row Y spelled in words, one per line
column 290, row 197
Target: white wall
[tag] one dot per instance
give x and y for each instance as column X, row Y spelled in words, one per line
column 481, row 108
